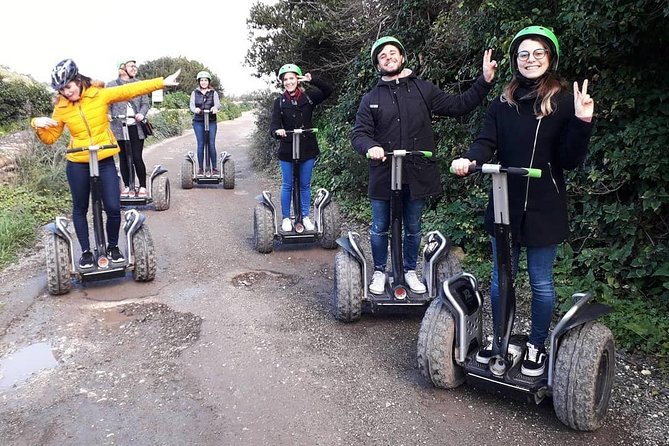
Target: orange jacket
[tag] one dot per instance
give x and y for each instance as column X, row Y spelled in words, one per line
column 87, row 118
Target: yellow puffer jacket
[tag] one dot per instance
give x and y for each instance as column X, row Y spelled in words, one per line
column 87, row 118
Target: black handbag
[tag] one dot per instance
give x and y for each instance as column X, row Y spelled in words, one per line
column 147, row 128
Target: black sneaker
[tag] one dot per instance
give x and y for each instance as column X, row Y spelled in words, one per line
column 86, row 260
column 114, row 254
column 534, row 362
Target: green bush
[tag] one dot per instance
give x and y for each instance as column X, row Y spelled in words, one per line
column 619, row 198
column 20, row 100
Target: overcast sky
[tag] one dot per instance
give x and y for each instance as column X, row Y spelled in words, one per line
column 37, row 34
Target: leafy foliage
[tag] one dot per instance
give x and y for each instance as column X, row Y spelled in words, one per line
column 619, row 198
column 20, row 100
column 187, row 79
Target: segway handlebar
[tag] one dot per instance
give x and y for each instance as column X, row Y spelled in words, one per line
column 298, row 131
column 425, row 153
column 92, row 148
column 496, row 168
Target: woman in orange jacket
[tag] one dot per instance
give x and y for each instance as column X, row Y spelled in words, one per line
column 82, row 105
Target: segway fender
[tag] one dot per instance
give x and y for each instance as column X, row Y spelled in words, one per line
column 60, row 227
column 436, row 247
column 349, row 243
column 157, row 170
column 133, row 221
column 190, row 156
column 461, row 296
column 581, row 312
column 224, row 156
column 322, row 199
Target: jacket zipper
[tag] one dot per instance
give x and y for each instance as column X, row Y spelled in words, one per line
column 534, row 148
column 88, row 128
column 550, row 170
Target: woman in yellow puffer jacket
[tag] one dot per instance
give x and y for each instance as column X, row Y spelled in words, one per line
column 82, row 106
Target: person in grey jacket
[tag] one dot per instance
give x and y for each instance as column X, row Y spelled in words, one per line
column 397, row 114
column 135, row 111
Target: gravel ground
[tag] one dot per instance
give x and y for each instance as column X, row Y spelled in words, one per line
column 640, row 396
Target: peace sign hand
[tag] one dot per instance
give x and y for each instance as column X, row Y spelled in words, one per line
column 584, row 105
column 489, row 66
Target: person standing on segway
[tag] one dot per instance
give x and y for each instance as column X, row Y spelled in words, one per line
column 204, row 97
column 536, row 123
column 81, row 106
column 294, row 110
column 397, row 115
column 135, row 111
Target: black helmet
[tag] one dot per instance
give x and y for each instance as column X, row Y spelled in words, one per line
column 63, row 73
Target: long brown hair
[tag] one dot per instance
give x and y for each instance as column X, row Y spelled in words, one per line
column 545, row 90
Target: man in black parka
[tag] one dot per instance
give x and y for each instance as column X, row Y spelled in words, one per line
column 397, row 114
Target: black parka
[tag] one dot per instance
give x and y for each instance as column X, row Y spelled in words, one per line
column 397, row 115
column 554, row 143
column 289, row 116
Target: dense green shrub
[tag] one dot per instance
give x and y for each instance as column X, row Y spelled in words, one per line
column 619, row 198
column 20, row 100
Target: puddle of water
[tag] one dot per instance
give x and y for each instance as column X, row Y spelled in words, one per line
column 20, row 365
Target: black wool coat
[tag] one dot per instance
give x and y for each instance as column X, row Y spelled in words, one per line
column 397, row 115
column 289, row 116
column 538, row 206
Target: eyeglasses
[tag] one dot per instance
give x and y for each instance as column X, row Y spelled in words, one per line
column 538, row 54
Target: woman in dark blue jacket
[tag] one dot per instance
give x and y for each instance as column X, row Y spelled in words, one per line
column 294, row 110
column 535, row 123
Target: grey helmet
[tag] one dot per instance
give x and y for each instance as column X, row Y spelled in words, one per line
column 63, row 73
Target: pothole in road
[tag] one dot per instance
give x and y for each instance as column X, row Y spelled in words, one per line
column 253, row 279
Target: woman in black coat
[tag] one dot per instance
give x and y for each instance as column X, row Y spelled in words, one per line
column 293, row 110
column 535, row 123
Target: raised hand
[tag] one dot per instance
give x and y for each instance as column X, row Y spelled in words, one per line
column 489, row 66
column 171, row 80
column 584, row 105
column 305, row 78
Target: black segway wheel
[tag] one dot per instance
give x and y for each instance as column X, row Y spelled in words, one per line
column 435, row 347
column 160, row 190
column 186, row 174
column 229, row 174
column 331, row 226
column 57, row 264
column 348, row 288
column 145, row 255
column 263, row 229
column 584, row 371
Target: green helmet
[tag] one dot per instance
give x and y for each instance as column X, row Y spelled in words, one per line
column 535, row 31
column 122, row 62
column 203, row 75
column 380, row 43
column 289, row 68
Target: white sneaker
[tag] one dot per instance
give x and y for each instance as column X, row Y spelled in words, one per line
column 286, row 225
column 414, row 283
column 378, row 285
column 308, row 225
column 125, row 192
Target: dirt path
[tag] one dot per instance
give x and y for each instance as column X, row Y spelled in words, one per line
column 228, row 346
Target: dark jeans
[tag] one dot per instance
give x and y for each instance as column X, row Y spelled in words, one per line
column 540, row 269
column 306, row 167
column 79, row 178
column 135, row 147
column 198, row 127
column 411, row 213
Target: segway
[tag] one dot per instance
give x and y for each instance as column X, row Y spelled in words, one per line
column 158, row 184
column 59, row 242
column 327, row 225
column 226, row 171
column 352, row 270
column 580, row 366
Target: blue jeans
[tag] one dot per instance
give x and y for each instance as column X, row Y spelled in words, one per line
column 411, row 213
column 540, row 269
column 79, row 179
column 306, row 168
column 198, row 127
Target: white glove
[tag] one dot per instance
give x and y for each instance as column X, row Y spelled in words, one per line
column 171, row 80
column 44, row 122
